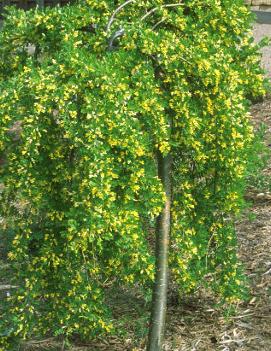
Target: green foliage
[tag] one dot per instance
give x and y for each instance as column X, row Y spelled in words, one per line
column 80, row 129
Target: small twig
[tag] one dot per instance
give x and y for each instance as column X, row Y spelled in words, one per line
column 242, row 316
column 115, row 12
column 116, row 35
column 158, row 23
column 157, row 8
column 63, row 344
column 36, row 342
column 262, row 316
column 208, row 248
column 267, row 272
column 244, row 325
column 230, row 341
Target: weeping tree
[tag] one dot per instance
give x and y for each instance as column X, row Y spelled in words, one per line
column 118, row 118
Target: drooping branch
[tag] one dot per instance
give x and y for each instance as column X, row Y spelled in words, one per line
column 158, row 23
column 158, row 8
column 119, row 33
column 111, row 20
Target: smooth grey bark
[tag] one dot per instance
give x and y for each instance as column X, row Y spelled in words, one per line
column 159, row 298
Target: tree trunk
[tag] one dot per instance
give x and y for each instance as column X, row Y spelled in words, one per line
column 159, row 298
